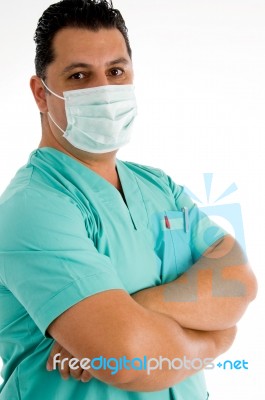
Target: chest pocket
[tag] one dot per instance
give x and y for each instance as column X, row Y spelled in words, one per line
column 172, row 243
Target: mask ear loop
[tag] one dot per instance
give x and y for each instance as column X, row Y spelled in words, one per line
column 49, row 90
column 51, row 118
column 59, row 97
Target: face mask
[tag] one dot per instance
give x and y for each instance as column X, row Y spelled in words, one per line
column 99, row 120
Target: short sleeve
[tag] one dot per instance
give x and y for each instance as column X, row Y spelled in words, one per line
column 49, row 261
column 203, row 231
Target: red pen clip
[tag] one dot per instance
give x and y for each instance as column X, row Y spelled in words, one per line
column 167, row 223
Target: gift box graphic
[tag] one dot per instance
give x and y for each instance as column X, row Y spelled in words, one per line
column 228, row 212
column 232, row 215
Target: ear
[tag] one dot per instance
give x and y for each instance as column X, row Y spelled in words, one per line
column 39, row 93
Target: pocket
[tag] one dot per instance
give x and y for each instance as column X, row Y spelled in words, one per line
column 172, row 243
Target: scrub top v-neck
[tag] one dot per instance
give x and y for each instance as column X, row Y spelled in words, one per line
column 66, row 234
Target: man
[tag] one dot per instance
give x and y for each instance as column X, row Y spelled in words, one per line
column 101, row 258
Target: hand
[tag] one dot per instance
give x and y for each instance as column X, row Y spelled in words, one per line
column 63, row 366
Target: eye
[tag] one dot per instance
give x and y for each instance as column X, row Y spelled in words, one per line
column 116, row 72
column 77, row 76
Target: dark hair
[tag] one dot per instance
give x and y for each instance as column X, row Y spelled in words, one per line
column 90, row 14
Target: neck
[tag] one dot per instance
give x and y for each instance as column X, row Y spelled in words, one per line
column 102, row 164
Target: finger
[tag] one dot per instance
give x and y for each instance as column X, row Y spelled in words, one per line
column 86, row 376
column 76, row 371
column 56, row 349
column 63, row 366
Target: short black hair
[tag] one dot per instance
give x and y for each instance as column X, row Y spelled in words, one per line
column 89, row 14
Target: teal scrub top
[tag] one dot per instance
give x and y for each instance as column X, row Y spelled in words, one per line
column 66, row 234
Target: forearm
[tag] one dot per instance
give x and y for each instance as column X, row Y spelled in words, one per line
column 168, row 340
column 156, row 336
column 174, row 343
column 212, row 295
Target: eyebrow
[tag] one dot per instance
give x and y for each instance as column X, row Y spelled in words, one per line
column 72, row 66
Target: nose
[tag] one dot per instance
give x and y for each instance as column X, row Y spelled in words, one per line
column 99, row 79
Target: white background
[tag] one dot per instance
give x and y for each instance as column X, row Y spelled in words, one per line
column 200, row 82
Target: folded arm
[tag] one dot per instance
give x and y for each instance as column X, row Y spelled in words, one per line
column 112, row 324
column 213, row 294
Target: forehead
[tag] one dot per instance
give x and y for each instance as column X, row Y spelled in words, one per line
column 92, row 46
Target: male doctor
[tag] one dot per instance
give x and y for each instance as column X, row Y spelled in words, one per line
column 101, row 258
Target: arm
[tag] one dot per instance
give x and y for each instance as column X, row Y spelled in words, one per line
column 116, row 326
column 212, row 295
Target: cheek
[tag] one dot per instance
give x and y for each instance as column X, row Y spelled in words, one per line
column 56, row 108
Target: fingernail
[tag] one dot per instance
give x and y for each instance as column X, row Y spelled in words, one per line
column 48, row 366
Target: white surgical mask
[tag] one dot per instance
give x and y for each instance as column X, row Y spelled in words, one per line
column 99, row 119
